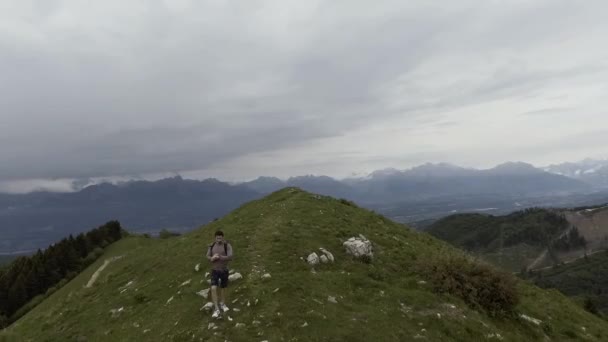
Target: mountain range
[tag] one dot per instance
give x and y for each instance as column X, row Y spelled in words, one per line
column 31, row 221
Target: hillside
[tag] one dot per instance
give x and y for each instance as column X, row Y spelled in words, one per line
column 586, row 278
column 146, row 289
column 512, row 241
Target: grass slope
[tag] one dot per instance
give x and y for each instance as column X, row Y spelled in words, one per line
column 381, row 301
column 586, row 278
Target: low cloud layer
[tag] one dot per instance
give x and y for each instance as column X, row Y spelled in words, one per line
column 239, row 89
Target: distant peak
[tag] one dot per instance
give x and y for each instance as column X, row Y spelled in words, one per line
column 516, row 167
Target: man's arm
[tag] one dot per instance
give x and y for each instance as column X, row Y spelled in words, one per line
column 209, row 253
column 229, row 252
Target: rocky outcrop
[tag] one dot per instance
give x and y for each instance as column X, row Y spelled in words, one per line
column 359, row 247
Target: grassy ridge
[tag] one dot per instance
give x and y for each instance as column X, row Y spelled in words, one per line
column 384, row 300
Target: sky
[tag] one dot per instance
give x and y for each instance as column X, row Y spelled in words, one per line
column 122, row 89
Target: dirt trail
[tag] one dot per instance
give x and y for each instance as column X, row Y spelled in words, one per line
column 542, row 255
column 100, row 269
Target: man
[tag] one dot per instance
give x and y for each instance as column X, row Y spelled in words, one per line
column 219, row 254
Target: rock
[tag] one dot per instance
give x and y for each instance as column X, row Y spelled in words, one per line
column 494, row 335
column 359, row 247
column 186, row 282
column 207, row 307
column 421, row 282
column 136, row 325
column 240, row 325
column 207, row 274
column 211, row 326
column 328, row 255
column 116, row 312
column 324, row 259
column 236, row 310
column 197, row 267
column 266, row 276
column 535, row 321
column 304, row 325
column 235, row 276
column 256, row 323
column 147, row 331
column 275, row 290
column 169, row 300
column 203, row 293
column 332, row 299
column 313, row 259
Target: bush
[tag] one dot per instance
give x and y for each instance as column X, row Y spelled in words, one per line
column 140, row 298
column 165, row 234
column 479, row 285
column 348, row 203
column 591, row 306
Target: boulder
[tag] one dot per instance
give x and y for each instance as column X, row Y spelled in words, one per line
column 327, row 254
column 359, row 247
column 235, row 276
column 313, row 259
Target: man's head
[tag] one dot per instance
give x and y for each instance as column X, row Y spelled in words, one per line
column 219, row 236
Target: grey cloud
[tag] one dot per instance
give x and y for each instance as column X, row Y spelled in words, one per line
column 135, row 87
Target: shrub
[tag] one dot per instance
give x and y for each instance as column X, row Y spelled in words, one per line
column 140, row 298
column 165, row 234
column 591, row 307
column 348, row 203
column 480, row 285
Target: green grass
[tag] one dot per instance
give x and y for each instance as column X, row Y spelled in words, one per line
column 584, row 278
column 384, row 300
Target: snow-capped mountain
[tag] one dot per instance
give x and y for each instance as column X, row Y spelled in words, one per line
column 592, row 171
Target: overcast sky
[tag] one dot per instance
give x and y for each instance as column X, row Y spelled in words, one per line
column 238, row 89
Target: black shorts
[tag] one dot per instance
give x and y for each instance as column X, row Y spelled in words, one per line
column 219, row 278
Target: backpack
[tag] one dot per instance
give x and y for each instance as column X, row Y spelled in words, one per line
column 225, row 247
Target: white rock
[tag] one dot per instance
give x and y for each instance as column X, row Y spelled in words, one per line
column 211, row 326
column 332, row 299
column 235, row 276
column 236, row 309
column 136, row 325
column 266, row 276
column 313, row 258
column 203, row 293
column 329, row 256
column 535, row 321
column 169, row 300
column 359, row 247
column 186, row 282
column 239, row 325
column 275, row 290
column 207, row 307
column 256, row 323
column 197, row 267
column 304, row 325
column 324, row 259
column 207, row 274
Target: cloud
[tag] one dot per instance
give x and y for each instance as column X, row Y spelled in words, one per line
column 128, row 88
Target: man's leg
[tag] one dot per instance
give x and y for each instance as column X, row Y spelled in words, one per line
column 214, row 297
column 222, row 295
column 223, row 286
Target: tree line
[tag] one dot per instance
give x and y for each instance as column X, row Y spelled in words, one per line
column 29, row 277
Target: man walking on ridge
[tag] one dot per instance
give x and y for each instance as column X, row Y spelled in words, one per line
column 219, row 254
